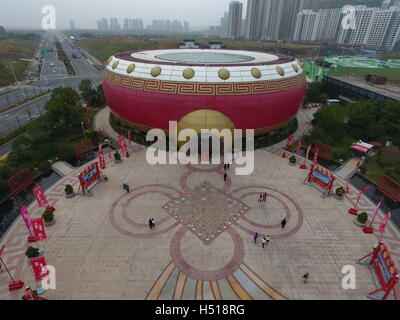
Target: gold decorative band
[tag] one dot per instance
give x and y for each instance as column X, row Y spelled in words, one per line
column 206, row 89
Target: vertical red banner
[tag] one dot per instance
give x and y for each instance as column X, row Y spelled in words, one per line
column 102, row 160
column 39, row 268
column 39, row 195
column 38, row 229
column 122, row 144
column 27, row 218
column 129, row 137
column 299, row 145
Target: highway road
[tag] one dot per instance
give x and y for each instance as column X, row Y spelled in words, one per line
column 52, row 75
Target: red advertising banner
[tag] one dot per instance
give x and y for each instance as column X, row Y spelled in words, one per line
column 38, row 229
column 27, row 218
column 289, row 141
column 384, row 223
column 88, row 176
column 122, row 143
column 389, row 187
column 299, row 145
column 39, row 195
column 39, row 268
column 102, row 160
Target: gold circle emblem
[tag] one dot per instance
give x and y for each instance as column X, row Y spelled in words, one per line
column 156, row 71
column 256, row 73
column 295, row 68
column 115, row 64
column 131, row 68
column 188, row 73
column 280, row 71
column 224, row 74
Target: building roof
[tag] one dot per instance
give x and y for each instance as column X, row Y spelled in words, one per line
column 388, row 89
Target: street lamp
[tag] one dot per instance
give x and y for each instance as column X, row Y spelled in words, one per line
column 83, row 129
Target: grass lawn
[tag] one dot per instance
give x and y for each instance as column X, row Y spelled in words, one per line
column 11, row 50
column 372, row 169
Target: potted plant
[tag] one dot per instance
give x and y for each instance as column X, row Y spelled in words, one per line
column 117, row 157
column 32, row 252
column 69, row 191
column 361, row 219
column 339, row 193
column 292, row 161
column 48, row 218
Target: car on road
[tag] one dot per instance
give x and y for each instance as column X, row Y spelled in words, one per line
column 51, row 64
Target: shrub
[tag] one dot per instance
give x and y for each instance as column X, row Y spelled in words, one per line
column 362, row 217
column 340, row 191
column 292, row 159
column 69, row 189
column 117, row 155
column 48, row 216
column 32, row 252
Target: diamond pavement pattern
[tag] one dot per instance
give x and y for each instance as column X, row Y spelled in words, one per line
column 206, row 211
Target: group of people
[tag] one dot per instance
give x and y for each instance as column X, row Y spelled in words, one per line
column 263, row 197
column 264, row 241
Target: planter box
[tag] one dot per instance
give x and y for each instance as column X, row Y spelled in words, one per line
column 48, row 224
column 338, row 197
column 362, row 225
column 69, row 195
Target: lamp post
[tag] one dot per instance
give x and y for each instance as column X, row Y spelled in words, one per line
column 83, row 129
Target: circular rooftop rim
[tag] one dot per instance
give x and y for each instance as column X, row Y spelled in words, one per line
column 204, row 57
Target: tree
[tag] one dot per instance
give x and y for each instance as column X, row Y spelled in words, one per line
column 64, row 110
column 390, row 122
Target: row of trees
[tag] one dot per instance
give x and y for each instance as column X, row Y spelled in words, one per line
column 46, row 139
column 367, row 120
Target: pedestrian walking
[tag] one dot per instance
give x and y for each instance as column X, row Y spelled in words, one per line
column 264, row 242
column 260, row 198
column 306, row 277
column 125, row 186
column 225, row 177
column 150, row 224
column 153, row 224
column 255, row 237
column 267, row 239
column 264, row 197
column 283, row 223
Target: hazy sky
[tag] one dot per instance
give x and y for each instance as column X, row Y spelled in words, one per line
column 85, row 13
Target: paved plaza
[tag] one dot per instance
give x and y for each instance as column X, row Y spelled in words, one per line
column 202, row 246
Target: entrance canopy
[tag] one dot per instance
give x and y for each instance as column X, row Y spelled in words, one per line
column 361, row 146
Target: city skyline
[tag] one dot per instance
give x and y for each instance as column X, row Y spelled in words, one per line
column 198, row 14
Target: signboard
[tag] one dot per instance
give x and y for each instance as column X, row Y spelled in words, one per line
column 325, row 151
column 20, row 181
column 88, row 176
column 27, row 218
column 39, row 195
column 39, row 268
column 122, row 144
column 389, row 187
column 38, row 229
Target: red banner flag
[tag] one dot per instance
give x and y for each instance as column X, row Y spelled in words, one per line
column 122, row 144
column 39, row 268
column 27, row 218
column 315, row 161
column 129, row 137
column 384, row 222
column 299, row 145
column 102, row 160
column 376, row 210
column 348, row 187
column 38, row 229
column 289, row 141
column 39, row 195
column 100, row 147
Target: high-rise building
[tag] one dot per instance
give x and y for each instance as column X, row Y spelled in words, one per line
column 272, row 19
column 306, row 26
column 235, row 19
column 114, row 25
column 72, row 25
column 385, row 28
column 327, row 26
column 102, row 24
column 225, row 23
column 135, row 24
column 287, row 19
column 186, row 27
column 255, row 19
